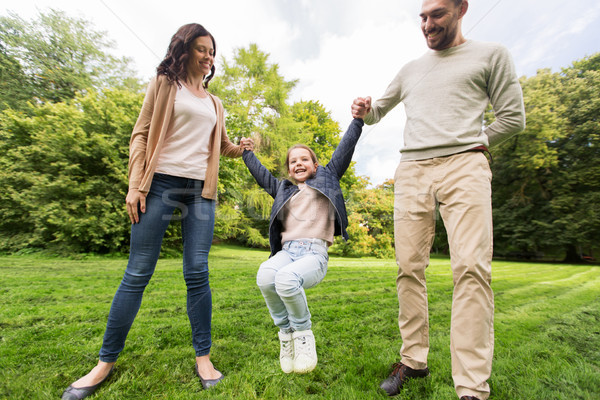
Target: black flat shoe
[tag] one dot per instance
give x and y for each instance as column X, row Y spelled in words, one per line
column 208, row 383
column 73, row 393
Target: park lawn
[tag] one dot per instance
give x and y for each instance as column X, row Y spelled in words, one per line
column 53, row 314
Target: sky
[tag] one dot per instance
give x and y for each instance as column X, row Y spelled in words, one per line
column 339, row 49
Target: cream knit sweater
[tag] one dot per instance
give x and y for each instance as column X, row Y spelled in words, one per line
column 445, row 94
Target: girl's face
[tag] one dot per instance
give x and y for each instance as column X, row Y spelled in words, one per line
column 301, row 165
column 201, row 56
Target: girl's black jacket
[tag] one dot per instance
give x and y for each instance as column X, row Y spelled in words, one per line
column 326, row 180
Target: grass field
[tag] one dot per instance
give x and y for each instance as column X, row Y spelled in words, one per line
column 53, row 314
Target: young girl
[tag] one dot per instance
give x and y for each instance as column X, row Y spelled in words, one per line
column 304, row 219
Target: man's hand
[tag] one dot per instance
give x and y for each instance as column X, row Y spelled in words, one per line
column 361, row 107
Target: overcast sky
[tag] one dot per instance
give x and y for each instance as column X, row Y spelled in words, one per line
column 340, row 49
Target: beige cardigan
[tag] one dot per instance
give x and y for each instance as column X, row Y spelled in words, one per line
column 150, row 131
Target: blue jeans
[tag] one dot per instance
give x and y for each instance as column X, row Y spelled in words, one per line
column 197, row 226
column 301, row 264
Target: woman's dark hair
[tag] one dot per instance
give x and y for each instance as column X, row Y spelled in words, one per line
column 174, row 63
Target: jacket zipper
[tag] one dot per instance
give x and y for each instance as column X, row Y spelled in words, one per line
column 284, row 203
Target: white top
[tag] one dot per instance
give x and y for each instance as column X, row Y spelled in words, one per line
column 445, row 94
column 185, row 150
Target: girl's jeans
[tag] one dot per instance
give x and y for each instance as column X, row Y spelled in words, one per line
column 197, row 225
column 301, row 264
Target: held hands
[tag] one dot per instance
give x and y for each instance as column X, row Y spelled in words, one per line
column 361, row 107
column 247, row 144
column 134, row 197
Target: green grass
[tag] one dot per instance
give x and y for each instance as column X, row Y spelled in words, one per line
column 53, row 313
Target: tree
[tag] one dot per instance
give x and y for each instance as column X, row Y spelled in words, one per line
column 63, row 171
column 61, row 56
column 15, row 86
column 522, row 168
column 64, row 164
column 370, row 222
column 576, row 186
column 256, row 98
column 546, row 189
column 319, row 131
column 254, row 95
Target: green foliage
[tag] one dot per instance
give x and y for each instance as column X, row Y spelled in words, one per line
column 317, row 122
column 323, row 136
column 63, row 170
column 256, row 96
column 67, row 108
column 15, row 86
column 64, row 136
column 522, row 168
column 64, row 164
column 576, row 186
column 253, row 91
column 546, row 179
column 59, row 56
column 370, row 223
column 54, row 314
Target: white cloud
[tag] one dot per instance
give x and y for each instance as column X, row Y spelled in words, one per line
column 555, row 35
column 361, row 63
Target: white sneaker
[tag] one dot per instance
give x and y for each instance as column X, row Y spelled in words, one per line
column 286, row 352
column 305, row 351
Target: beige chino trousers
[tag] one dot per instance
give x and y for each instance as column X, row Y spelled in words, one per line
column 460, row 185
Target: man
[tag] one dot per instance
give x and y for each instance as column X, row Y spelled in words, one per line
column 445, row 93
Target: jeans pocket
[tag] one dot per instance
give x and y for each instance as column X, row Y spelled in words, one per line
column 321, row 253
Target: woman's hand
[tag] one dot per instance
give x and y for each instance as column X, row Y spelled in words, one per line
column 247, row 144
column 135, row 197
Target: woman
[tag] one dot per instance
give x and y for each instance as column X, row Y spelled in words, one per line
column 174, row 162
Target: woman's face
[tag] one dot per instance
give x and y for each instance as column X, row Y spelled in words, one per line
column 201, row 56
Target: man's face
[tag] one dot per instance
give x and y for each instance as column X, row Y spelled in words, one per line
column 440, row 23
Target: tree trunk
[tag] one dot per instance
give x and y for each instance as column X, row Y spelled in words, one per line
column 572, row 255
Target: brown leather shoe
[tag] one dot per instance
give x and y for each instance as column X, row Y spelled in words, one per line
column 400, row 374
column 469, row 398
